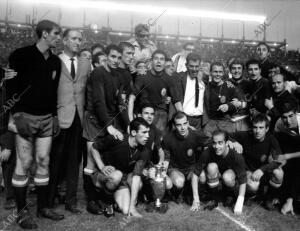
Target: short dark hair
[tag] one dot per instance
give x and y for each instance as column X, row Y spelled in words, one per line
column 220, row 132
column 67, row 31
column 261, row 117
column 219, row 64
column 97, row 45
column 145, row 105
column 188, row 44
column 288, row 106
column 168, row 59
column 264, row 44
column 274, row 65
column 178, row 115
column 123, row 45
column 193, row 57
column 159, row 52
column 253, row 61
column 113, row 47
column 140, row 61
column 45, row 25
column 84, row 49
column 236, row 61
column 95, row 57
column 136, row 123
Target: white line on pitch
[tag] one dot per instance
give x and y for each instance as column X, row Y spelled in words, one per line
column 235, row 220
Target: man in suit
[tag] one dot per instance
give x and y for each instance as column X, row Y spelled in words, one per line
column 67, row 147
column 192, row 91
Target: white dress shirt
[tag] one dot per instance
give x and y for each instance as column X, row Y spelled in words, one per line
column 189, row 98
column 67, row 61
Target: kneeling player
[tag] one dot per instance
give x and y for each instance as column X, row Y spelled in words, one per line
column 261, row 151
column 220, row 161
column 154, row 144
column 180, row 147
column 121, row 168
column 287, row 132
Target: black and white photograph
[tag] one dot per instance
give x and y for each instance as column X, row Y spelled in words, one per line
column 153, row 115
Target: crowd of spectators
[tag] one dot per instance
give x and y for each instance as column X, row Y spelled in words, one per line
column 14, row 37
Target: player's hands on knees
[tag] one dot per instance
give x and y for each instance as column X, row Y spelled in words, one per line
column 115, row 133
column 257, row 175
column 236, row 146
column 4, row 154
column 107, row 170
column 195, row 206
column 238, row 207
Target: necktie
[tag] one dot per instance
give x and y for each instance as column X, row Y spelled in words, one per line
column 196, row 92
column 72, row 68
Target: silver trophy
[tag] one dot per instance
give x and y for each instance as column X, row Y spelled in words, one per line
column 158, row 184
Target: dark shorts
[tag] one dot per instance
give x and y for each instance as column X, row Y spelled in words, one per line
column 187, row 172
column 28, row 125
column 92, row 129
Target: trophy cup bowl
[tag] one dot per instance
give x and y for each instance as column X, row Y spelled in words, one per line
column 159, row 185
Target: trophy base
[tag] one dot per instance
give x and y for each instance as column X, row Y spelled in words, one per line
column 163, row 208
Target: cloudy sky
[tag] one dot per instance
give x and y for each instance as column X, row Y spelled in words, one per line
column 283, row 15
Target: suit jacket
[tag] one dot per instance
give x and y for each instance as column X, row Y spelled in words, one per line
column 181, row 86
column 71, row 93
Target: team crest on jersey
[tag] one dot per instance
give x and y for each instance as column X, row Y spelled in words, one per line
column 263, row 158
column 163, row 92
column 223, row 99
column 190, row 152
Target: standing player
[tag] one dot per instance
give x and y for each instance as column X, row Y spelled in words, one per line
column 155, row 88
column 259, row 88
column 218, row 98
column 240, row 118
column 102, row 115
column 34, row 117
column 263, row 53
column 125, row 70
